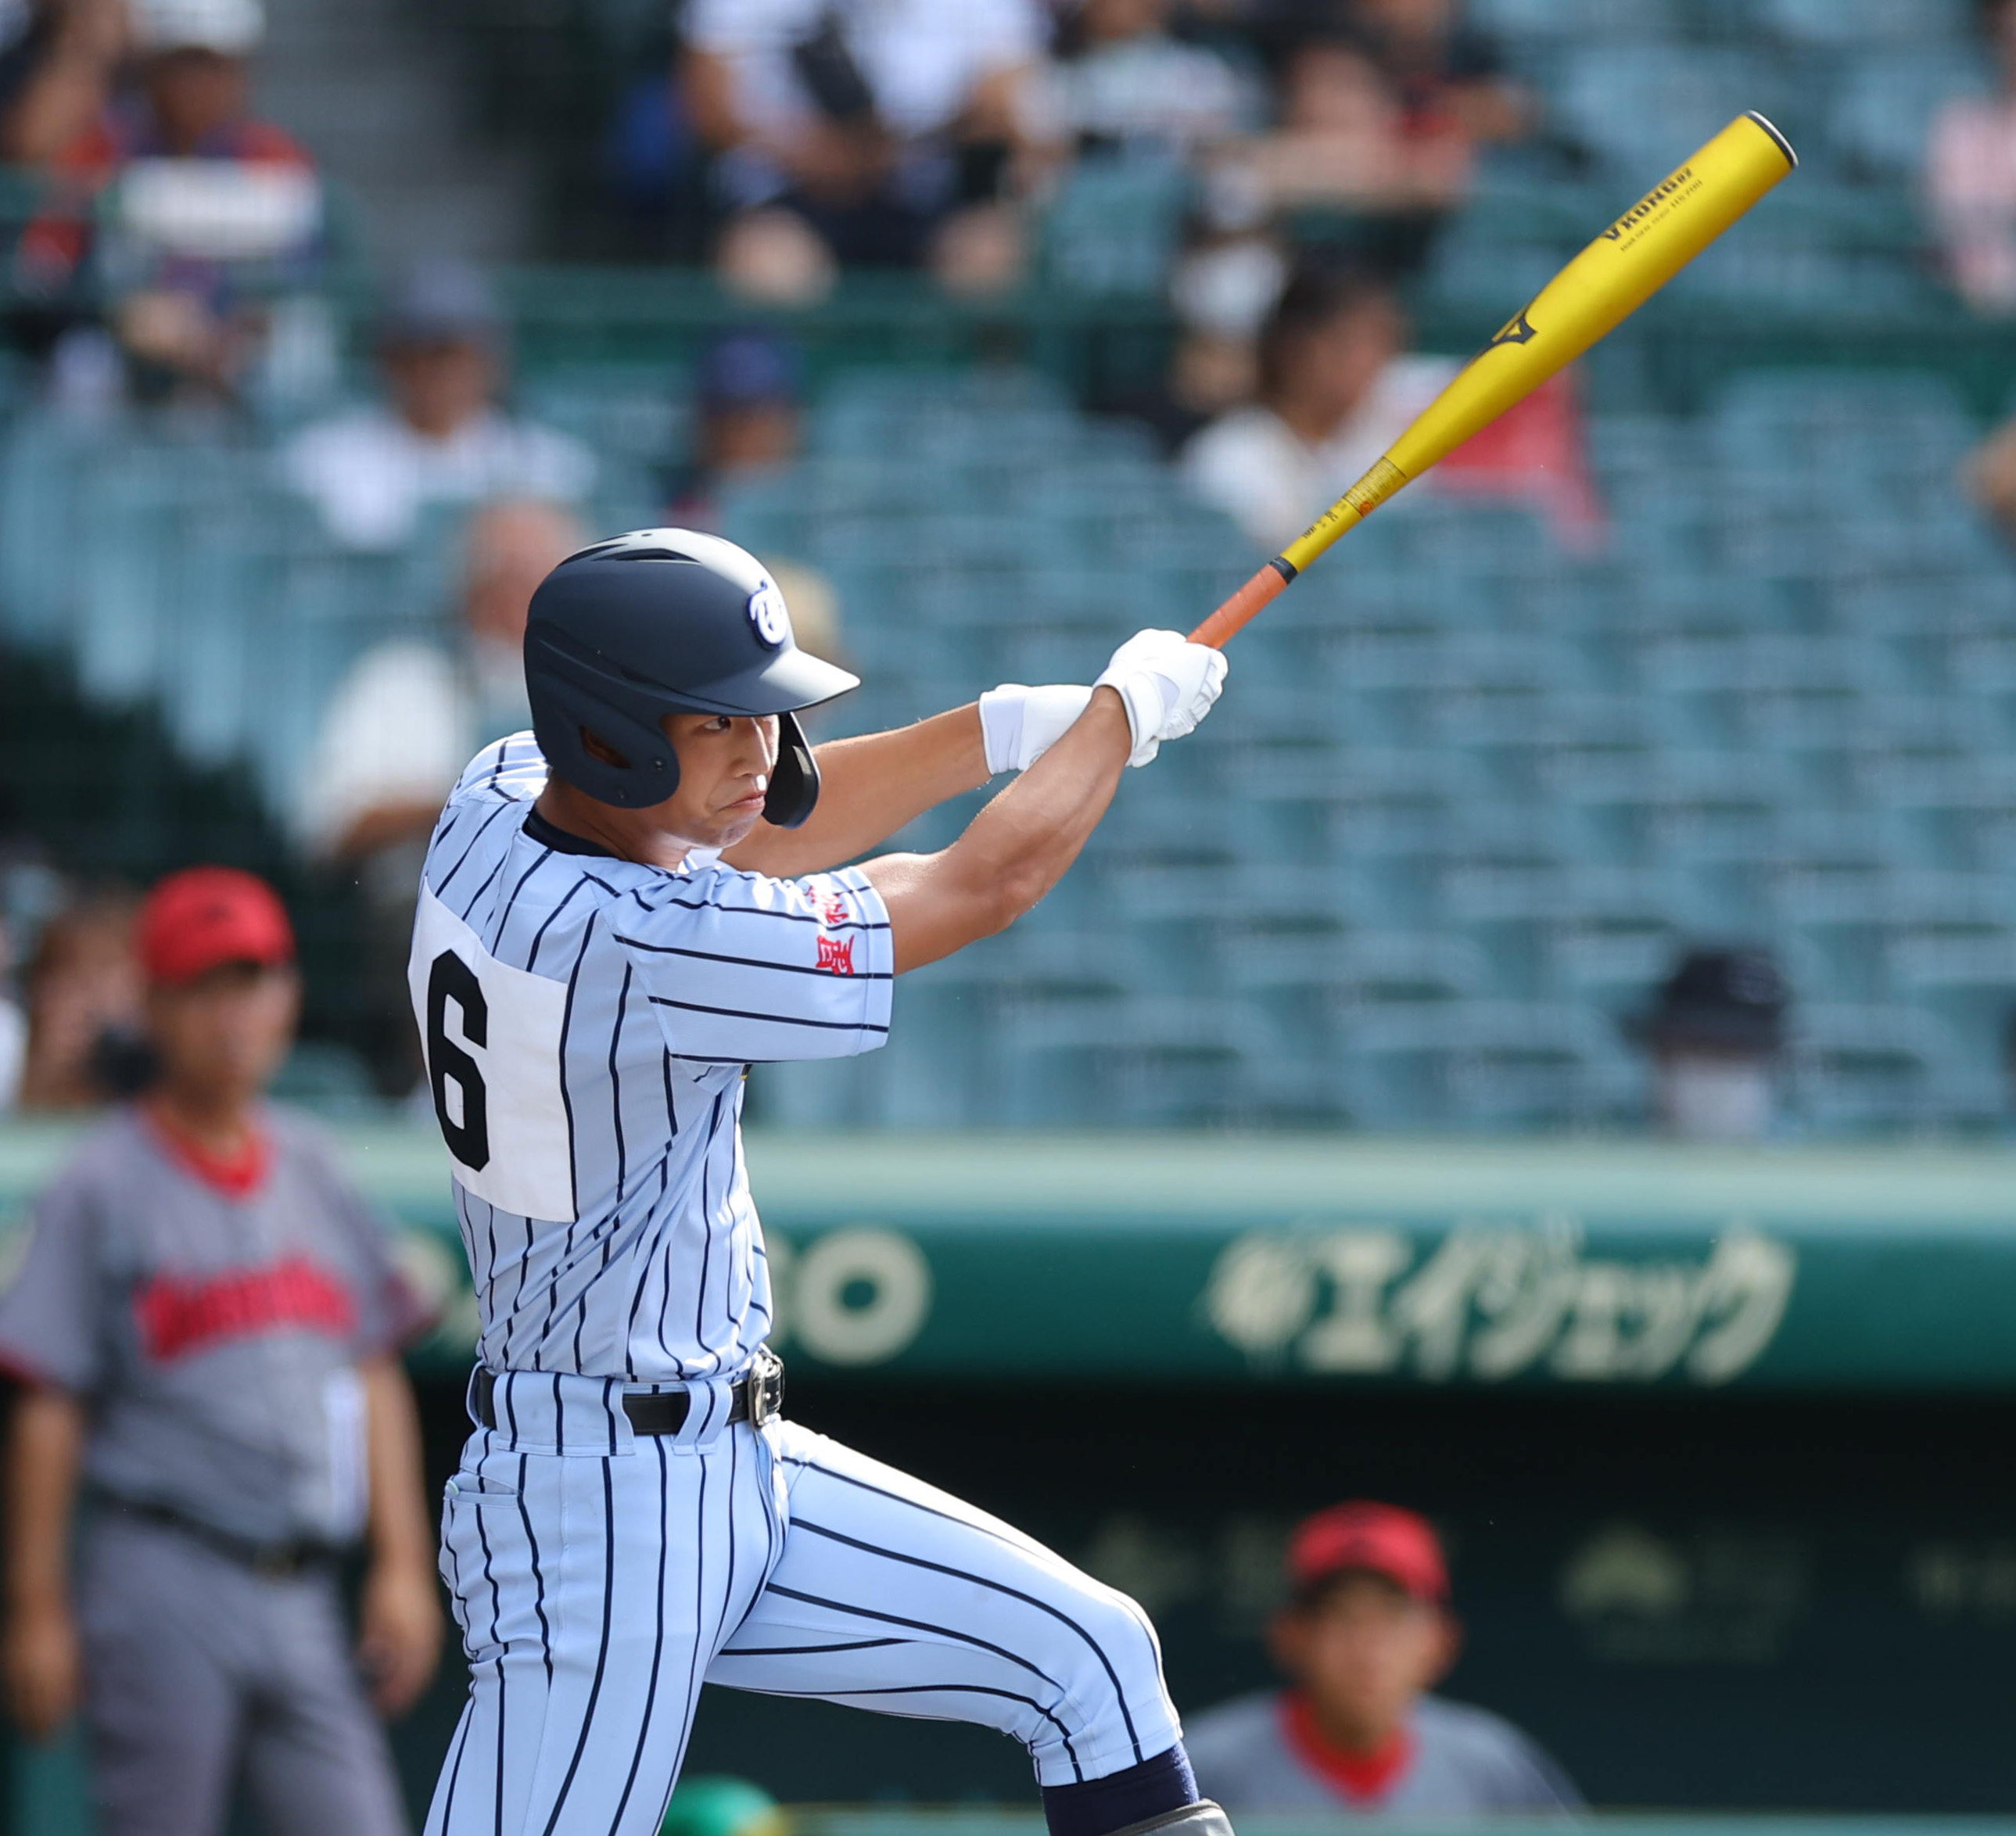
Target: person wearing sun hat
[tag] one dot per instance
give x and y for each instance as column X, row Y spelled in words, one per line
column 1367, row 1634
column 206, row 1326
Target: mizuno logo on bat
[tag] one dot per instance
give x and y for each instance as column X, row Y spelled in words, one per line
column 1648, row 203
column 1516, row 331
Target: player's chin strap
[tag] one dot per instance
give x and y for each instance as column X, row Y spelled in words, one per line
column 1201, row 1819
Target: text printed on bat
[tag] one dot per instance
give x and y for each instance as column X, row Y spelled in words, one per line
column 1648, row 203
column 1642, row 220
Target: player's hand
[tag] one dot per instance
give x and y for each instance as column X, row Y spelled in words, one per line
column 400, row 1620
column 44, row 1668
column 1020, row 725
column 1167, row 684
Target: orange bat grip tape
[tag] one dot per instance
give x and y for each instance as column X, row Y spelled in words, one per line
column 1243, row 605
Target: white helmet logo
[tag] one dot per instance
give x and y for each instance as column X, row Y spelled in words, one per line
column 767, row 613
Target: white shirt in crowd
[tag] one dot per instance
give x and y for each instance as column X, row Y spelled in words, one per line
column 920, row 58
column 401, row 726
column 370, row 474
column 1274, row 483
column 1151, row 88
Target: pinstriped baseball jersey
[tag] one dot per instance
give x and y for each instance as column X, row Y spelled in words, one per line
column 586, row 1022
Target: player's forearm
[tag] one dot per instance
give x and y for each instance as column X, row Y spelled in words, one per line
column 396, row 1524
column 1014, row 850
column 869, row 787
column 45, row 1453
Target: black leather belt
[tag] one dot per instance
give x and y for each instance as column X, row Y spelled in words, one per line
column 755, row 1399
column 277, row 1562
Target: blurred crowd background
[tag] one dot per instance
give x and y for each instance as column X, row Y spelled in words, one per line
column 1648, row 765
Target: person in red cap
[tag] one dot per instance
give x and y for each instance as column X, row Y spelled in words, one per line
column 206, row 1325
column 1366, row 1634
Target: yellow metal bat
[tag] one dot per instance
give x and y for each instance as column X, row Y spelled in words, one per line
column 1609, row 280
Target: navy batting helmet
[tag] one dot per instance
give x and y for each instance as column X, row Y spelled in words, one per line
column 668, row 622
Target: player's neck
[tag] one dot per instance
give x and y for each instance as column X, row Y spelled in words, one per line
column 630, row 835
column 1359, row 1736
column 219, row 1121
column 1311, row 424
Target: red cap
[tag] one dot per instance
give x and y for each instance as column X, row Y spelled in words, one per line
column 1379, row 1539
column 202, row 916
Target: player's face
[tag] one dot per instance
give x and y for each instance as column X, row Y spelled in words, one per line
column 1363, row 1650
column 222, row 1035
column 725, row 765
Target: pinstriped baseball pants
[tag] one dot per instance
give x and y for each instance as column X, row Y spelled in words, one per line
column 600, row 1577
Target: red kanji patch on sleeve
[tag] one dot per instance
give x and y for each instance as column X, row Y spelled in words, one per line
column 836, row 954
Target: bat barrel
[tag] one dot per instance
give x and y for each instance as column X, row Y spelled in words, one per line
column 1602, row 286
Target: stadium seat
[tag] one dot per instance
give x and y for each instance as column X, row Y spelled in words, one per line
column 1882, row 109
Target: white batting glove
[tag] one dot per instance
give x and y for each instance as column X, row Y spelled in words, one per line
column 1168, row 684
column 1020, row 725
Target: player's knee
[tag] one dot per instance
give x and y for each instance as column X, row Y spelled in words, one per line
column 1116, row 1666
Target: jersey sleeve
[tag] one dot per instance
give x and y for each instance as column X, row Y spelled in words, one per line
column 743, row 968
column 51, row 1324
column 513, row 767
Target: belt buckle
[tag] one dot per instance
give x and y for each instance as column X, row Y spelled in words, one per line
column 766, row 1389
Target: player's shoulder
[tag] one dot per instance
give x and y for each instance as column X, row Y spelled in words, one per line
column 1466, row 1734
column 300, row 1138
column 1233, row 438
column 101, row 1159
column 512, row 769
column 339, row 433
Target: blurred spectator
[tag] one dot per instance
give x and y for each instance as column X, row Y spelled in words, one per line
column 210, row 198
column 1716, row 1037
column 750, row 386
column 1123, row 82
column 440, row 438
column 83, row 998
column 1970, row 177
column 872, row 133
column 1446, row 71
column 1335, row 390
column 1222, row 288
column 411, row 714
column 58, row 59
column 1367, row 1633
column 208, row 1324
column 398, row 730
column 1345, row 143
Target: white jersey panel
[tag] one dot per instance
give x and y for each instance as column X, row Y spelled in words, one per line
column 495, row 1070
column 611, row 1231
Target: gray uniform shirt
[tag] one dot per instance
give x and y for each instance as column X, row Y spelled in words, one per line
column 216, row 1338
column 1464, row 1760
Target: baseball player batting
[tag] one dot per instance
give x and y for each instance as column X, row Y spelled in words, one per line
column 619, row 912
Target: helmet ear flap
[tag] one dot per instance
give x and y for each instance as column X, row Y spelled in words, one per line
column 794, row 783
column 566, row 710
